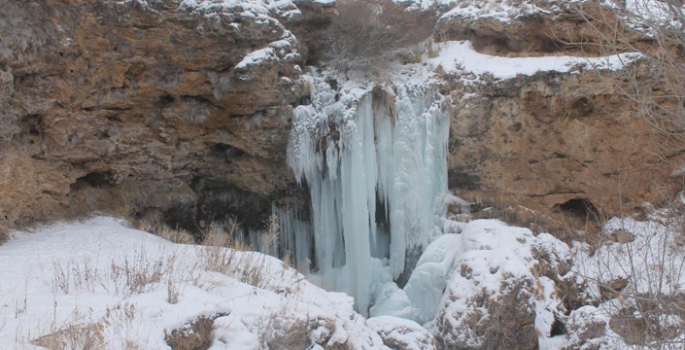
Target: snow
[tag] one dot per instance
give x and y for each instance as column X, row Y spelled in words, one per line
column 256, row 57
column 650, row 16
column 652, row 262
column 496, row 9
column 648, row 255
column 75, row 274
column 477, row 265
column 247, row 7
column 409, row 334
column 460, row 57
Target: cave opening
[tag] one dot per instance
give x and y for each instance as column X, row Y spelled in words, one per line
column 97, row 179
column 579, row 208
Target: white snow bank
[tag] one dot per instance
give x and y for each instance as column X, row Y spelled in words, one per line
column 457, row 270
column 102, row 273
column 491, row 260
column 460, row 57
column 405, row 334
column 284, row 9
column 250, row 6
column 652, row 262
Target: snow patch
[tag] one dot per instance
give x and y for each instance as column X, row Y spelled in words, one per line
column 460, row 57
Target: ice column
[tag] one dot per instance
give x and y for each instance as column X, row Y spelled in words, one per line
column 362, row 159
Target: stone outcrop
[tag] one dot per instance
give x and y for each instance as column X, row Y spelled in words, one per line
column 147, row 108
column 553, row 142
column 162, row 111
column 505, row 289
column 525, row 28
column 547, row 140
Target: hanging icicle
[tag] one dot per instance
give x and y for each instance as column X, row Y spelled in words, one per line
column 376, row 166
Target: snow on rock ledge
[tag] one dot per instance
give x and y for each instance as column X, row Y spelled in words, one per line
column 460, row 57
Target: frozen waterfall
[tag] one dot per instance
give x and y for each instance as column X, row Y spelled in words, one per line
column 375, row 163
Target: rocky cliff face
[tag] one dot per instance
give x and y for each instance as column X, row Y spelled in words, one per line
column 148, row 108
column 554, row 142
column 547, row 140
column 166, row 111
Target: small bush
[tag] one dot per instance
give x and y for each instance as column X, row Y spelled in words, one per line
column 283, row 330
column 196, row 335
column 367, row 32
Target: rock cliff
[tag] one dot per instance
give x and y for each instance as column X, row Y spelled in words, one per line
column 556, row 142
column 148, row 108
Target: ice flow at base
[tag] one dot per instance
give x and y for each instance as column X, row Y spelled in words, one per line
column 375, row 162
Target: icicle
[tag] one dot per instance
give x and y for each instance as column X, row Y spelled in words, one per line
column 295, row 237
column 356, row 159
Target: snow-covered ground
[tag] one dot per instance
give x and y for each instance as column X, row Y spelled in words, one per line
column 99, row 281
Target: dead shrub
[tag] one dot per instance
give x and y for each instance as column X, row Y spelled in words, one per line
column 4, row 234
column 653, row 87
column 135, row 275
column 196, row 335
column 366, row 32
column 284, row 331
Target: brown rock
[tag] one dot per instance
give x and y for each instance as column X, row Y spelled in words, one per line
column 559, row 27
column 556, row 143
column 99, row 98
column 508, row 324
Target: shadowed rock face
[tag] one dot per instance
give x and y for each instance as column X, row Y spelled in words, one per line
column 141, row 109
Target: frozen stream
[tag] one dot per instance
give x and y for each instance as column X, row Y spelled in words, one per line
column 375, row 162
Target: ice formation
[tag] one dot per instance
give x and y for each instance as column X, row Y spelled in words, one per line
column 375, row 163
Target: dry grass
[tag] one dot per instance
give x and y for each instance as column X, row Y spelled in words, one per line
column 565, row 227
column 74, row 337
column 172, row 235
column 367, row 32
column 4, row 234
column 144, row 270
column 285, row 331
column 134, row 275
